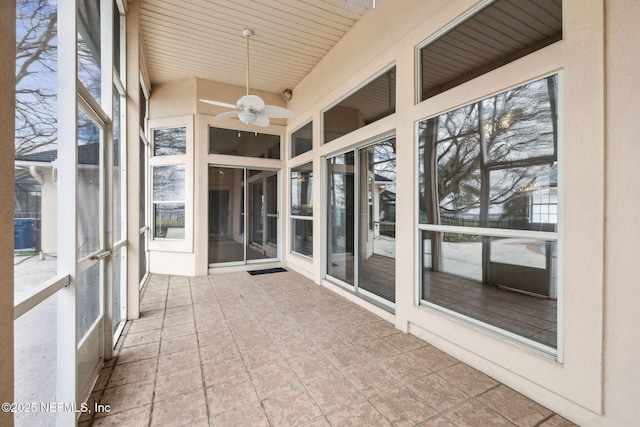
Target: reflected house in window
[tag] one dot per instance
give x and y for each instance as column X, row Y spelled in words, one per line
column 37, row 171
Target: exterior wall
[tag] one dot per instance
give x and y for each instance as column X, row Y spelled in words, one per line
column 7, row 102
column 622, row 228
column 573, row 384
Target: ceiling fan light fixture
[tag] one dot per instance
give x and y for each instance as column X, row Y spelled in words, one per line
column 247, row 117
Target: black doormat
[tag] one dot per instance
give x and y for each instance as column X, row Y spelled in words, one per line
column 267, row 271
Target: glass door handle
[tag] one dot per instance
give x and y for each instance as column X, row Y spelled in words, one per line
column 100, row 255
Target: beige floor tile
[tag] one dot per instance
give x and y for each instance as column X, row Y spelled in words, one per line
column 274, row 380
column 248, row 415
column 314, row 369
column 174, row 383
column 405, row 342
column 177, row 344
column 437, row 422
column 291, row 408
column 515, row 407
column 301, row 356
column 334, row 394
column 178, row 330
column 434, row 359
column 141, row 325
column 405, row 367
column 402, row 407
column 557, row 421
column 230, row 394
column 468, row 379
column 138, row 417
column 139, row 338
column 133, row 372
column 438, row 392
column 178, row 360
column 138, row 352
column 184, row 409
column 474, row 413
column 125, row 397
column 377, row 349
column 371, row 379
column 358, row 415
column 222, row 371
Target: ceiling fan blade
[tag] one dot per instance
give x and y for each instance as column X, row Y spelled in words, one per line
column 253, row 102
column 276, row 112
column 262, row 120
column 218, row 103
column 227, row 115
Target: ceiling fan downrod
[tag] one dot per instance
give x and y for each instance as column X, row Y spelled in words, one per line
column 246, row 32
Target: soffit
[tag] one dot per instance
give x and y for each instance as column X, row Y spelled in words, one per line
column 203, row 38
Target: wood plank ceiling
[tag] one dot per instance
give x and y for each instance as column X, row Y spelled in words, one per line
column 203, row 38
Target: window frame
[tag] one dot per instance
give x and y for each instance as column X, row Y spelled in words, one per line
column 163, row 244
column 555, row 236
column 298, row 217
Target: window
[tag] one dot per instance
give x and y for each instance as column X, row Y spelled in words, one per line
column 497, row 34
column 302, row 209
column 373, row 101
column 488, row 210
column 169, row 202
column 242, row 143
column 302, row 140
column 170, row 141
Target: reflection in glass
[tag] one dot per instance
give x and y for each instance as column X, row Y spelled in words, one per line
column 302, row 140
column 340, row 224
column 272, row 209
column 517, row 130
column 170, row 141
column 242, row 143
column 118, row 315
column 168, row 220
column 89, row 298
column 302, row 209
column 168, row 183
column 168, row 202
column 117, row 163
column 302, row 236
column 453, row 267
column 488, row 39
column 89, row 51
column 372, row 102
column 302, row 190
column 89, row 185
column 226, row 215
column 493, row 164
column 377, row 264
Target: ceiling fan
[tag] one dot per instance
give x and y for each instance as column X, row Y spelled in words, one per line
column 251, row 109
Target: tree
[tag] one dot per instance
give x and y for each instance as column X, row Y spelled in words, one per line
column 36, row 70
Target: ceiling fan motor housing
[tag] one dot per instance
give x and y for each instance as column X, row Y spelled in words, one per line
column 247, row 117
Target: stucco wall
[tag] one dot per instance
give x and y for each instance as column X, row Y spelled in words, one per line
column 7, row 102
column 622, row 230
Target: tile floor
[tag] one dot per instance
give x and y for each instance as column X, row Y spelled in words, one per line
column 278, row 350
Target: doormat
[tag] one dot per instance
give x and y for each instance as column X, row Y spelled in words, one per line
column 267, row 271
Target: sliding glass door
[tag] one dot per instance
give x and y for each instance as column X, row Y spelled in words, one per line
column 361, row 221
column 231, row 189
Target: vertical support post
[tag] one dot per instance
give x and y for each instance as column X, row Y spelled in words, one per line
column 7, row 156
column 67, row 384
